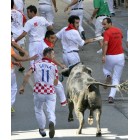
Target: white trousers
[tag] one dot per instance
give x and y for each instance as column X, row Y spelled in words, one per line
column 59, row 89
column 39, row 101
column 98, row 26
column 35, row 48
column 110, row 6
column 114, row 66
column 47, row 12
column 13, row 87
column 78, row 13
column 70, row 59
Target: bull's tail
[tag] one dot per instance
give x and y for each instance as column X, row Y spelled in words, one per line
column 120, row 87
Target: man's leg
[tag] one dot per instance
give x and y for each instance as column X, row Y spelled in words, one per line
column 39, row 100
column 50, row 104
column 13, row 89
column 118, row 69
column 99, row 31
column 60, row 93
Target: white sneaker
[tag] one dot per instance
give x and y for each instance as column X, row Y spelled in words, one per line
column 100, row 51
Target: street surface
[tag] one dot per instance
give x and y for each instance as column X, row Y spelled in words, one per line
column 114, row 120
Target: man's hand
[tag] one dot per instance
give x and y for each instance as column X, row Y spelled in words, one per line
column 63, row 66
column 56, row 9
column 21, row 90
column 90, row 20
column 91, row 40
column 34, row 57
column 103, row 59
column 66, row 9
column 17, row 63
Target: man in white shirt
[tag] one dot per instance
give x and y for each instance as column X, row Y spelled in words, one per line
column 77, row 9
column 36, row 27
column 17, row 27
column 71, row 41
column 17, row 24
column 46, row 9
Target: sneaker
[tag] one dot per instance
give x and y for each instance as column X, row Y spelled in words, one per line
column 107, row 81
column 12, row 110
column 110, row 100
column 51, row 130
column 42, row 132
column 100, row 51
column 21, row 69
column 64, row 103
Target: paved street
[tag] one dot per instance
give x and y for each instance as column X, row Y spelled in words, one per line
column 114, row 120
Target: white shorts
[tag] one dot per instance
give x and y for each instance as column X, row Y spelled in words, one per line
column 71, row 58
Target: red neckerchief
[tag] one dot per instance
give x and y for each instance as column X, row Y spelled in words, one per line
column 49, row 60
column 70, row 27
column 24, row 17
column 51, row 45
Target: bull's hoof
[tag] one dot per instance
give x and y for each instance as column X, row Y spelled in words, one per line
column 70, row 119
column 78, row 132
column 90, row 120
column 98, row 134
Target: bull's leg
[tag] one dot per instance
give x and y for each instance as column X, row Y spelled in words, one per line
column 98, row 116
column 90, row 118
column 71, row 107
column 80, row 116
column 81, row 122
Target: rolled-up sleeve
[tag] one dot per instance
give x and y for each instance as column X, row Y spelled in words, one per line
column 77, row 38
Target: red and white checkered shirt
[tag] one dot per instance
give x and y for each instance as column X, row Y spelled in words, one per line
column 43, row 88
column 45, row 72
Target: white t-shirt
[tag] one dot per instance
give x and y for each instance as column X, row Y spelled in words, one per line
column 36, row 27
column 79, row 4
column 45, row 1
column 71, row 40
column 19, row 5
column 17, row 24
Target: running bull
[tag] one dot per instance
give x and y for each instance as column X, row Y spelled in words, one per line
column 83, row 93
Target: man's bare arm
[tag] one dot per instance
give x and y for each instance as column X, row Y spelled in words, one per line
column 17, row 47
column 105, row 47
column 25, row 81
column 94, row 13
column 54, row 4
column 59, row 64
column 71, row 4
column 25, row 58
column 21, row 36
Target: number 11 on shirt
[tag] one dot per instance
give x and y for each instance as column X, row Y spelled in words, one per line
column 45, row 74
